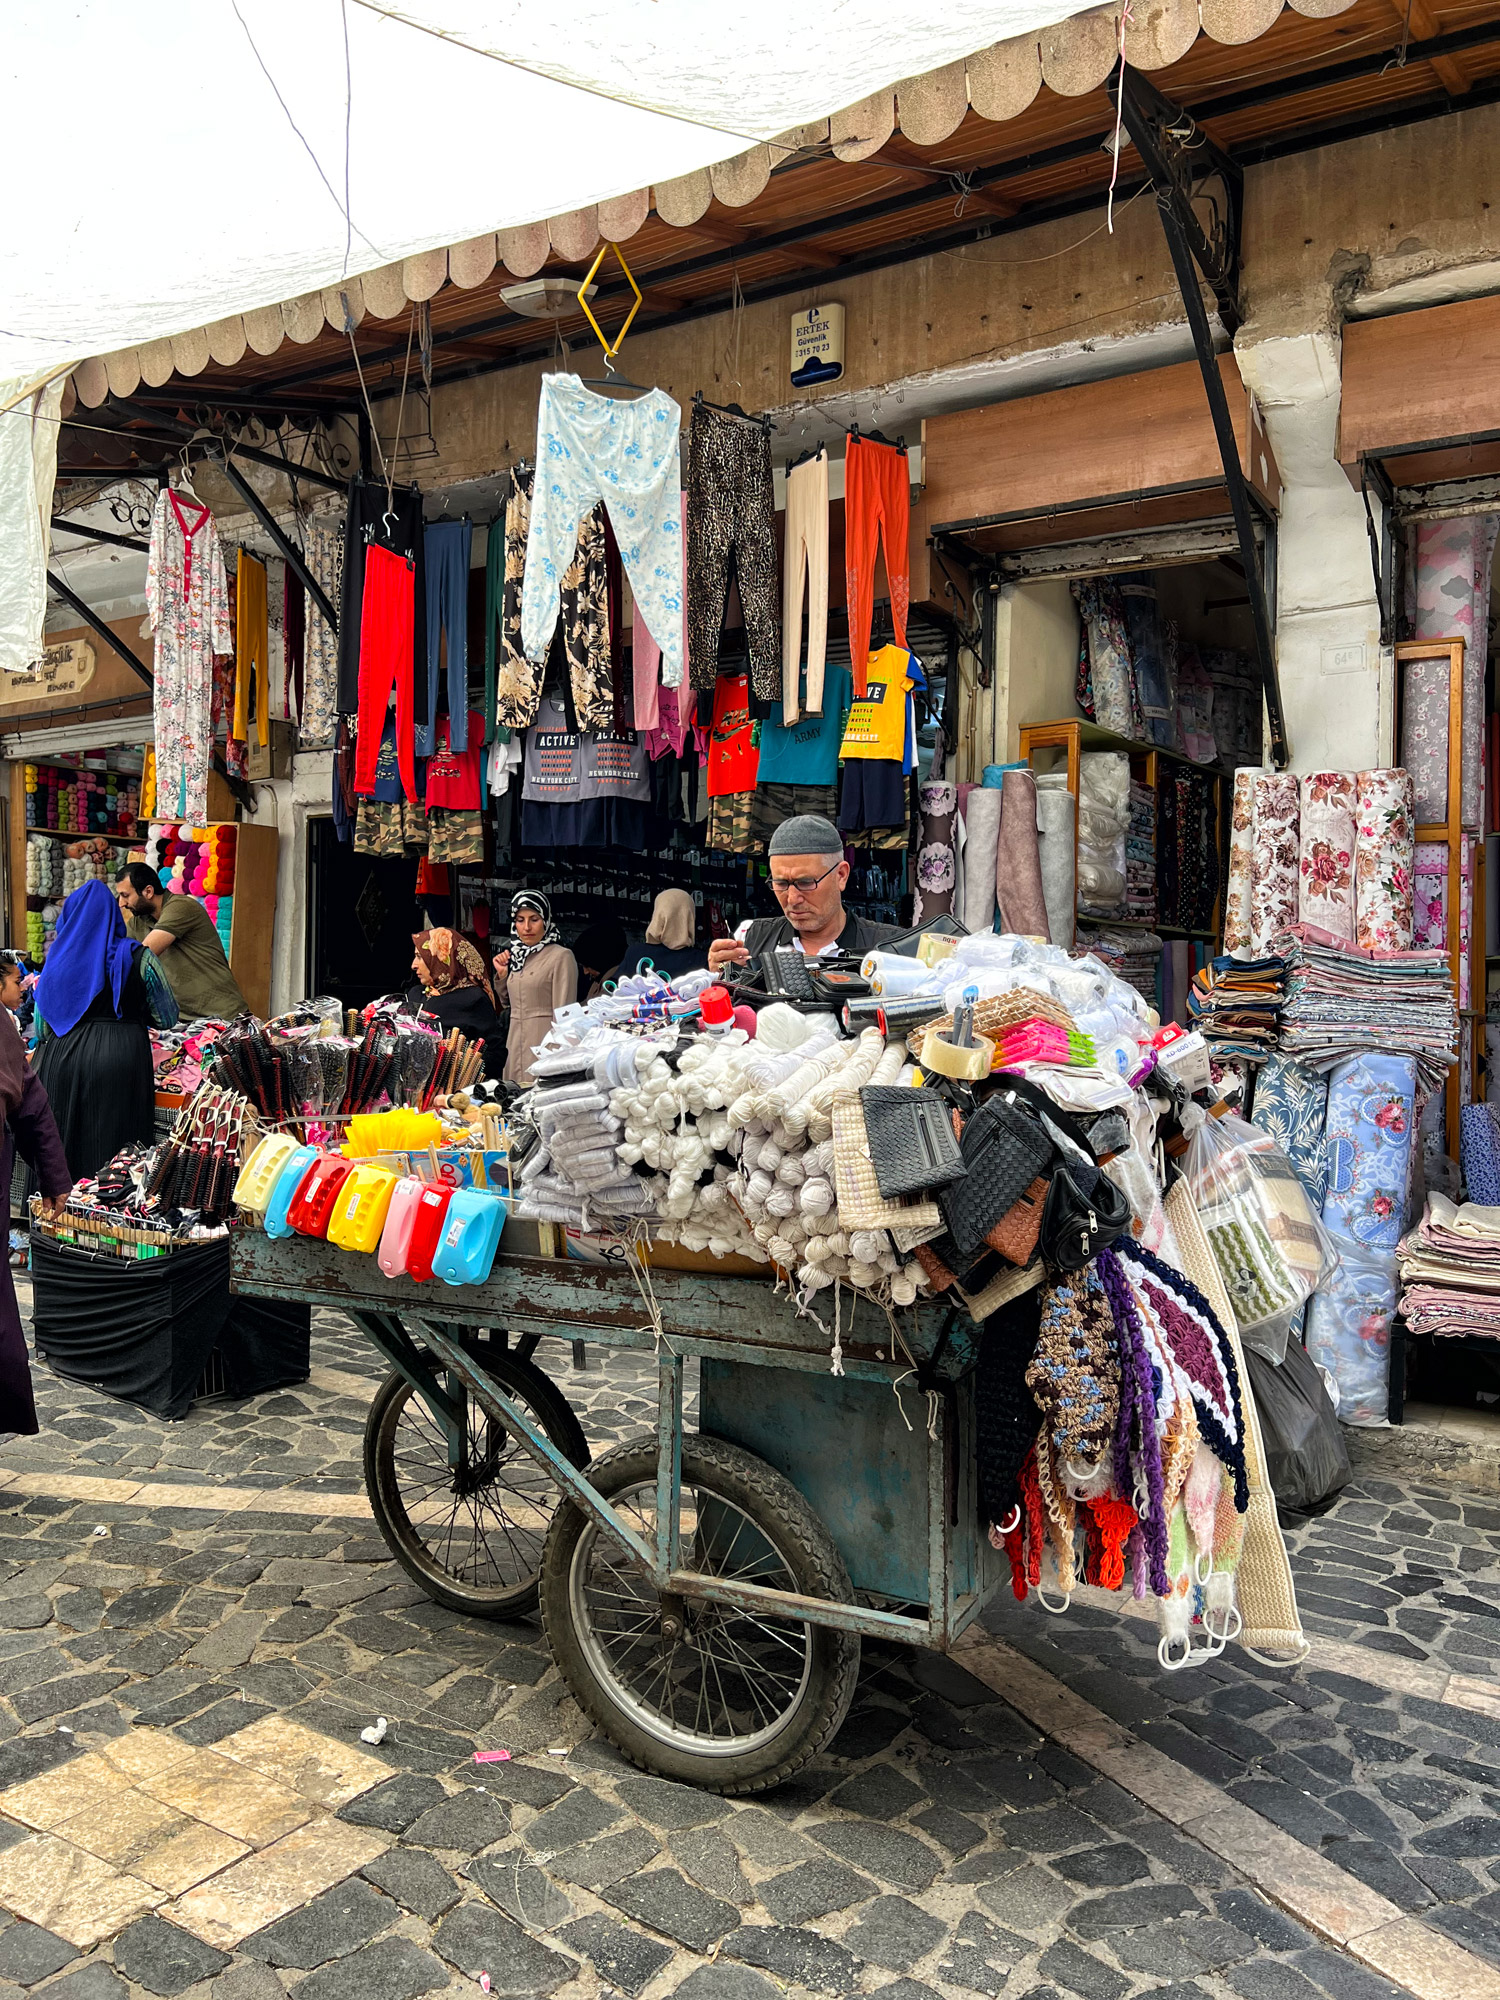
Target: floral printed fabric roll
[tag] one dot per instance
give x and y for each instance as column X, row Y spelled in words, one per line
column 1238, row 894
column 937, row 867
column 1291, row 1103
column 1273, row 840
column 1384, row 860
column 1111, row 672
column 1325, row 890
column 1367, row 1148
column 1453, row 600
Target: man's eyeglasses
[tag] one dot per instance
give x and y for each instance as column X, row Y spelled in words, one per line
column 802, row 884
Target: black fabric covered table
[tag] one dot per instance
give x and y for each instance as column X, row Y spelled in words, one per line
column 145, row 1331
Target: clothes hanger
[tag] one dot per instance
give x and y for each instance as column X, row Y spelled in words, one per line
column 812, row 451
column 185, row 478
column 611, row 380
column 877, row 437
column 733, row 410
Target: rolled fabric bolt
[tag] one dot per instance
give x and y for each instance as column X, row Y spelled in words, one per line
column 1055, row 829
column 981, row 848
column 893, row 976
column 1018, row 860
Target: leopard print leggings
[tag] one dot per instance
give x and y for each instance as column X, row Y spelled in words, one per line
column 730, row 521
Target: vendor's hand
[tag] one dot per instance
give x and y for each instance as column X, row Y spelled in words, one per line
column 54, row 1204
column 501, row 963
column 726, row 951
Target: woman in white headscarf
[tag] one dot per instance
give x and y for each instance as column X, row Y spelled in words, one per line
column 668, row 944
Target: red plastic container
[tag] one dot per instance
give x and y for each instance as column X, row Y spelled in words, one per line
column 427, row 1229
column 312, row 1206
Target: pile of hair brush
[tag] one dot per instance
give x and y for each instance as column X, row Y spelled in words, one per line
column 196, row 1166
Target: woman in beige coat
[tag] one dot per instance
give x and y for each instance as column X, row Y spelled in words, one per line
column 534, row 976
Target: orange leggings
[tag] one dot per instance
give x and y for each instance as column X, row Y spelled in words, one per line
column 877, row 495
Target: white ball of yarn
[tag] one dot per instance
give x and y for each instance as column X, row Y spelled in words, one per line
column 866, row 1245
column 792, row 1172
column 770, row 1156
column 815, row 1196
column 817, row 1249
column 750, row 1144
column 903, row 1291
column 784, row 1253
column 839, row 1243
column 759, row 1187
column 781, row 1201
column 863, row 1275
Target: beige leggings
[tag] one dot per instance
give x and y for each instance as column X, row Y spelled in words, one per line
column 806, row 557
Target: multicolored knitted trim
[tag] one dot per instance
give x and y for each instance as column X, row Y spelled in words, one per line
column 1075, row 1373
column 1138, row 1469
column 1202, row 1349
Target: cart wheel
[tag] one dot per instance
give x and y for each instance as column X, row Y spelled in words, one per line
column 730, row 1700
column 473, row 1542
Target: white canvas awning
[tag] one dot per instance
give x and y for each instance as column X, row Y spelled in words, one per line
column 189, row 180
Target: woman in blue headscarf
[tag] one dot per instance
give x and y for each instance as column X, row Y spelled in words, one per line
column 96, row 1001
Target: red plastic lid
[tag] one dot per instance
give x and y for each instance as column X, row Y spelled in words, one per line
column 715, row 1006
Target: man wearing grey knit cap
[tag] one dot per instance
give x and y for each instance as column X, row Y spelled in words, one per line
column 808, row 873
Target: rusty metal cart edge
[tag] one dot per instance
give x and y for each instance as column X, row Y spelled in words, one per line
column 858, row 1486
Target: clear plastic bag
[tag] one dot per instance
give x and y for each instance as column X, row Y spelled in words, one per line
column 1271, row 1246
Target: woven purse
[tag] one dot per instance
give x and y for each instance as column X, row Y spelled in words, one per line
column 861, row 1203
column 1015, row 1234
column 1004, row 1149
column 911, row 1139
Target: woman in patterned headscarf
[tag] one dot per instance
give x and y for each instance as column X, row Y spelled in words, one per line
column 534, row 975
column 454, row 990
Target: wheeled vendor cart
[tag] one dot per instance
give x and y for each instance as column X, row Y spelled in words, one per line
column 703, row 1593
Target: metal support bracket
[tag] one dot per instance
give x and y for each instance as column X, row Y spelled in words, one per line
column 1373, row 477
column 95, row 623
column 287, row 547
column 1184, row 164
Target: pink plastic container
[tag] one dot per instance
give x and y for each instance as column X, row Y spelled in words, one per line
column 395, row 1238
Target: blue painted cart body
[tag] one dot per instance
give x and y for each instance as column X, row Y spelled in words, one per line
column 883, row 1453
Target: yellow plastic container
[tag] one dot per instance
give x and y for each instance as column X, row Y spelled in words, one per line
column 259, row 1173
column 360, row 1210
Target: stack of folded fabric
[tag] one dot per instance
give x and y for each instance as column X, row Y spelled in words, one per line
column 1450, row 1270
column 1042, row 1041
column 1140, row 855
column 1134, row 956
column 1235, row 1003
column 1342, row 999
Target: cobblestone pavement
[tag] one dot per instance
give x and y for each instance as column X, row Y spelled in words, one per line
column 160, row 1663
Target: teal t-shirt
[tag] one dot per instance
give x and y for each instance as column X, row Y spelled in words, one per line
column 808, row 752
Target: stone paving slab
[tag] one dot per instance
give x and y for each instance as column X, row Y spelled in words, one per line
column 215, row 1589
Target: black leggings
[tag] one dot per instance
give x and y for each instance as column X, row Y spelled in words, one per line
column 730, row 520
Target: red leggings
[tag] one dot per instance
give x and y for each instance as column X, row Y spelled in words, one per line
column 385, row 655
column 877, row 493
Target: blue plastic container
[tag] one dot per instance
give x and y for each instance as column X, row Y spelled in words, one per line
column 470, row 1238
column 288, row 1181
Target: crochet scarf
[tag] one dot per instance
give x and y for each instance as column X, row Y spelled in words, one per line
column 1203, row 1352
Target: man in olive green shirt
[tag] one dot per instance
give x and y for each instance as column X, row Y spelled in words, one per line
column 181, row 933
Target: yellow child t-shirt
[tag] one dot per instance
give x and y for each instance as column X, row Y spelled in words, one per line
column 877, row 721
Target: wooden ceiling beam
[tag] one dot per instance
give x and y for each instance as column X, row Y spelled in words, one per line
column 1423, row 26
column 903, row 159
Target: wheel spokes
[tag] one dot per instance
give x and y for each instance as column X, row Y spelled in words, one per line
column 729, row 1678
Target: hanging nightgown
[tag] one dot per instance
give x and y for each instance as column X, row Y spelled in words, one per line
column 187, row 599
